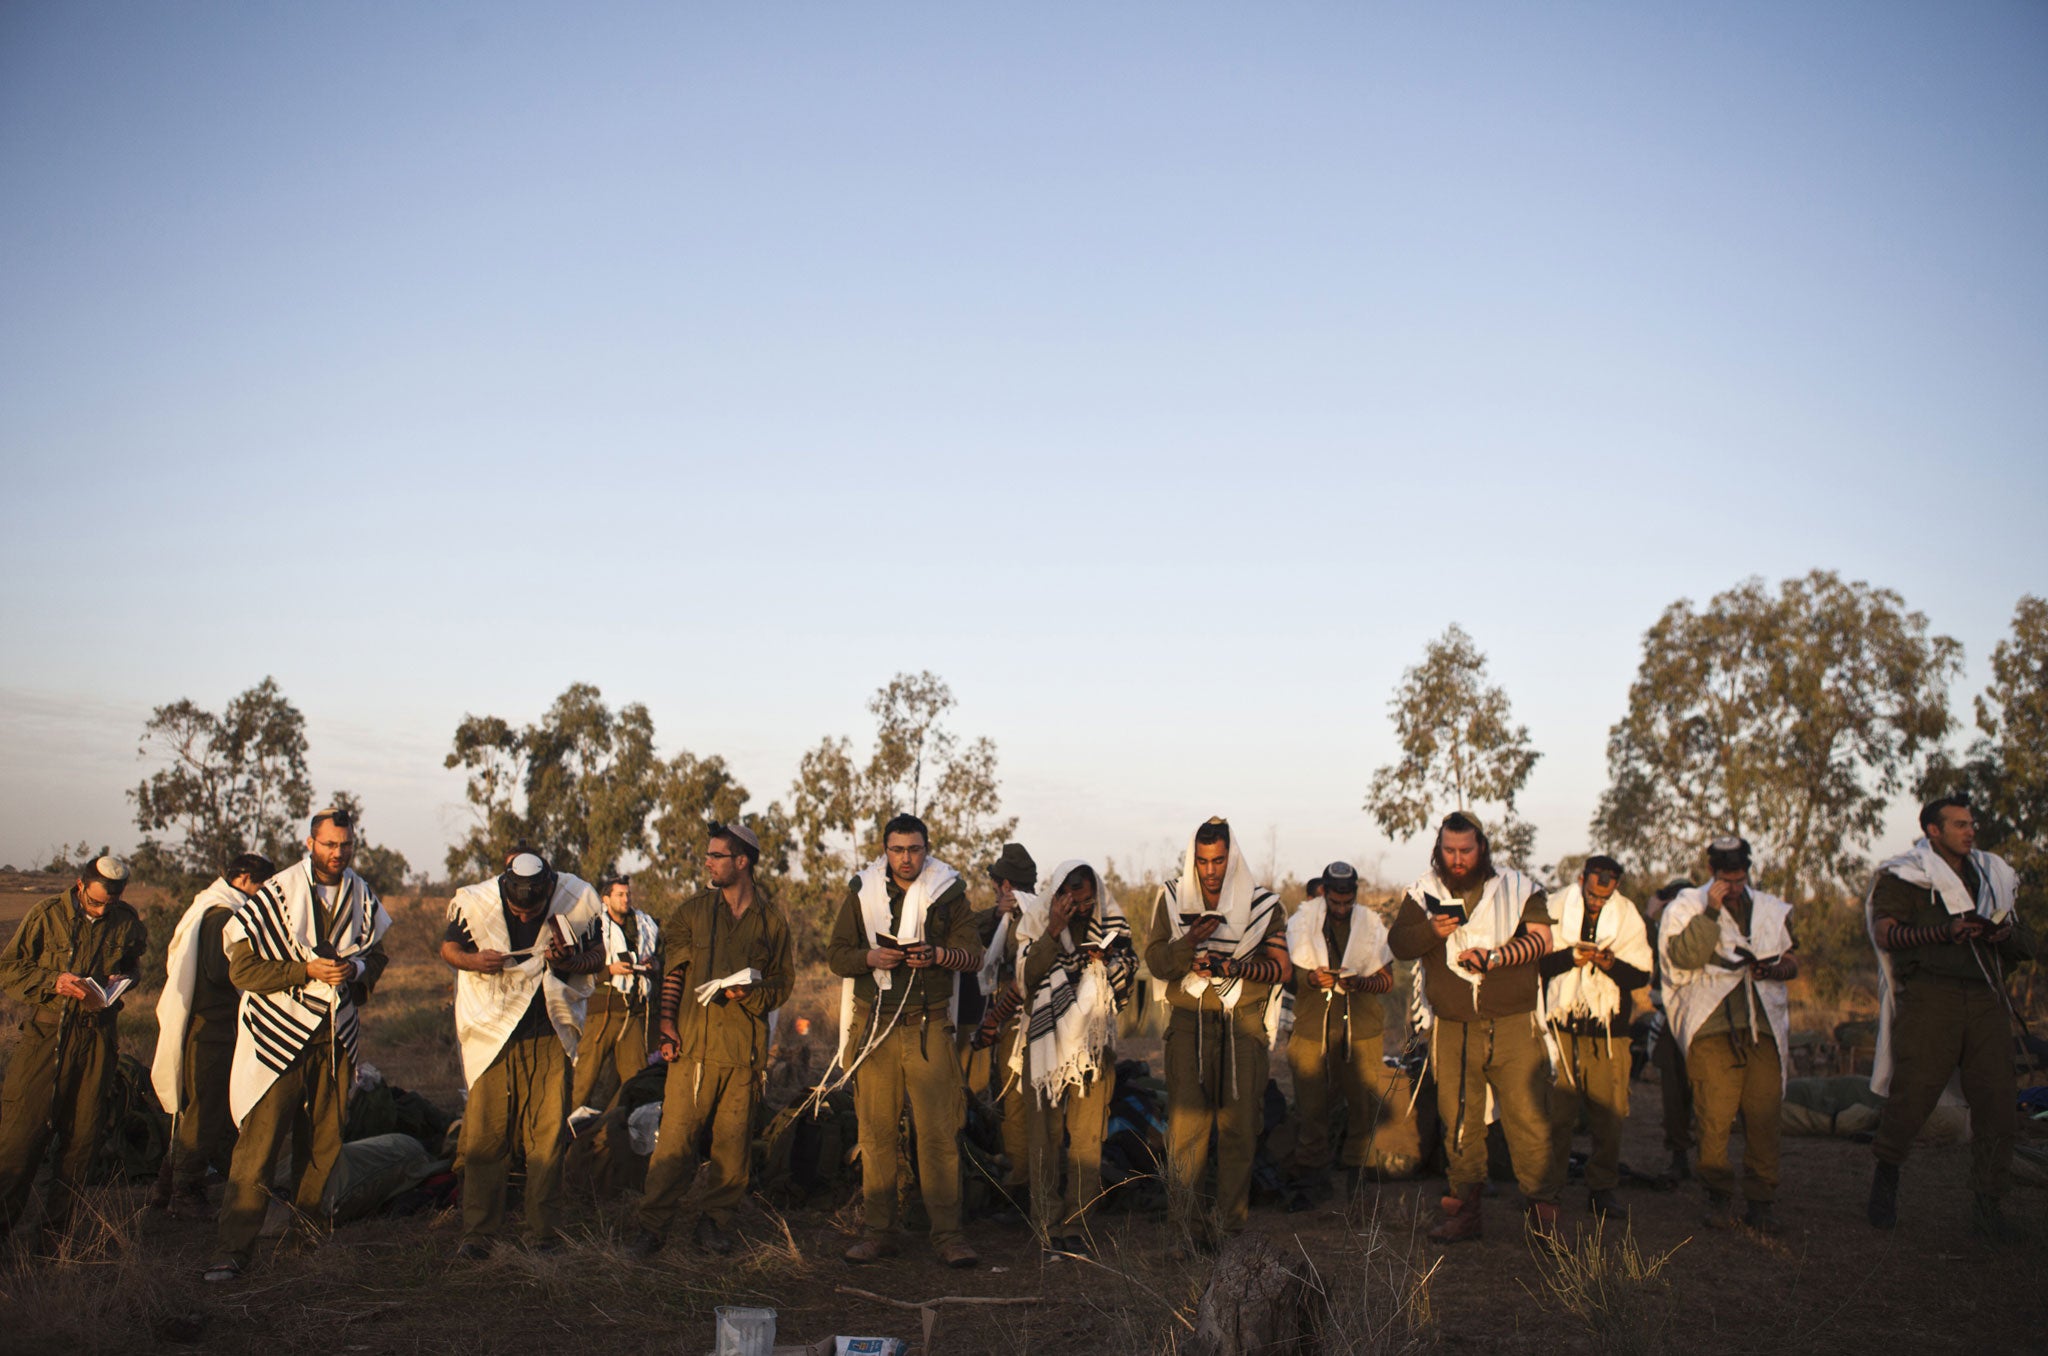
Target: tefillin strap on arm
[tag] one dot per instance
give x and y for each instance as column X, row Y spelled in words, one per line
column 1520, row 951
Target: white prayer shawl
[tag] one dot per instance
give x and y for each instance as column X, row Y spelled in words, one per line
column 489, row 1007
column 988, row 976
column 1488, row 924
column 1587, row 990
column 181, row 987
column 646, row 947
column 1923, row 867
column 1070, row 1027
column 1365, row 946
column 1690, row 996
column 280, row 922
column 905, row 925
column 1248, row 911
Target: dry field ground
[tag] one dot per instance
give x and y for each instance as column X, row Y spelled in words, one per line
column 1830, row 1284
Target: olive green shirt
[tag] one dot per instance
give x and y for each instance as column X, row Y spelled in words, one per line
column 215, row 1000
column 59, row 937
column 1502, row 993
column 704, row 941
column 1920, row 907
column 949, row 922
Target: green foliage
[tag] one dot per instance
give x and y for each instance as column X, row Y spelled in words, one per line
column 2005, row 772
column 1457, row 748
column 236, row 782
column 1790, row 718
column 577, row 785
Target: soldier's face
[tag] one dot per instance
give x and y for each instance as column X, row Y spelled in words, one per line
column 906, row 853
column 1212, row 863
column 1460, row 853
column 618, row 899
column 1340, row 900
column 1957, row 831
column 332, row 849
column 1598, row 886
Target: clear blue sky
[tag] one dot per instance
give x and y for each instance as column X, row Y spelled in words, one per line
column 1163, row 376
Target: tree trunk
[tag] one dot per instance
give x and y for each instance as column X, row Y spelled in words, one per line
column 1258, row 1303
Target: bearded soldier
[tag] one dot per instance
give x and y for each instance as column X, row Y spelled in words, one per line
column 523, row 946
column 1600, row 956
column 728, row 967
column 1077, row 970
column 614, row 1045
column 195, row 1038
column 1727, row 952
column 1218, row 945
column 904, row 936
column 69, row 961
column 1943, row 920
column 1341, row 965
column 1477, row 931
column 305, row 951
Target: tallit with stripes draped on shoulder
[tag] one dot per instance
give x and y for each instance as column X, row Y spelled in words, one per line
column 1071, row 1030
column 281, row 922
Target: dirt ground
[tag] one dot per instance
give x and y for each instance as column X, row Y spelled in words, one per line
column 1830, row 1284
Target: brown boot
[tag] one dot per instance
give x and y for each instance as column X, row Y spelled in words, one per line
column 958, row 1255
column 871, row 1249
column 1540, row 1218
column 1460, row 1223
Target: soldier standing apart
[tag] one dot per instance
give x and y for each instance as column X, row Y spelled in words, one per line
column 1341, row 967
column 1478, row 932
column 305, row 951
column 1728, row 952
column 904, row 936
column 1943, row 919
column 69, row 950
column 523, row 946
column 195, row 1039
column 1218, row 945
column 614, row 1046
column 728, row 966
column 1600, row 957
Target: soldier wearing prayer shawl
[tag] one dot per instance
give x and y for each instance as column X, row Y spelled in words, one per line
column 195, row 1038
column 1727, row 954
column 1077, row 970
column 1478, row 932
column 1947, row 933
column 305, row 951
column 1000, row 1029
column 1600, row 956
column 904, row 937
column 614, row 1045
column 1341, row 965
column 60, row 961
column 1218, row 949
column 523, row 945
column 727, row 967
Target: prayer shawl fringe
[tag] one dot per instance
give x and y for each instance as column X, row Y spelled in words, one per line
column 1071, row 1029
column 648, row 933
column 1923, row 867
column 181, row 986
column 488, row 1007
column 907, row 925
column 1365, row 946
column 1587, row 990
column 1690, row 996
column 280, row 923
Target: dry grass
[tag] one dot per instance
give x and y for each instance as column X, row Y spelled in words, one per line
column 1622, row 1297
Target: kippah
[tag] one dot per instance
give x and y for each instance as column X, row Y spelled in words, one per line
column 1339, row 873
column 526, row 864
column 1727, row 843
column 110, row 868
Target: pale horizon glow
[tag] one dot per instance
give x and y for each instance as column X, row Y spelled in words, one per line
column 1164, row 377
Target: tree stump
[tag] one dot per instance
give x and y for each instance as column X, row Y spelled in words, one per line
column 1259, row 1303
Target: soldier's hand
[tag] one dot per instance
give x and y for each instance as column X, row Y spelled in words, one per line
column 1604, row 958
column 67, row 986
column 1325, row 977
column 620, row 968
column 1443, row 924
column 329, row 971
column 736, row 992
column 1202, row 929
column 1473, row 959
column 487, row 962
column 1058, row 914
column 670, row 1045
column 884, row 958
column 1999, row 932
column 1583, row 954
column 1964, row 927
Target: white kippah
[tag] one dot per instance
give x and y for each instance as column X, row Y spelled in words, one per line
column 111, row 868
column 526, row 864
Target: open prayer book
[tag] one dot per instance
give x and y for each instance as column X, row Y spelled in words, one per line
column 1188, row 920
column 1448, row 908
column 109, row 991
column 713, row 990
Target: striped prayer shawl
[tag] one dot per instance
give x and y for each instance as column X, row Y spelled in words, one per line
column 280, row 922
column 647, row 936
column 1071, row 1032
column 1228, row 940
